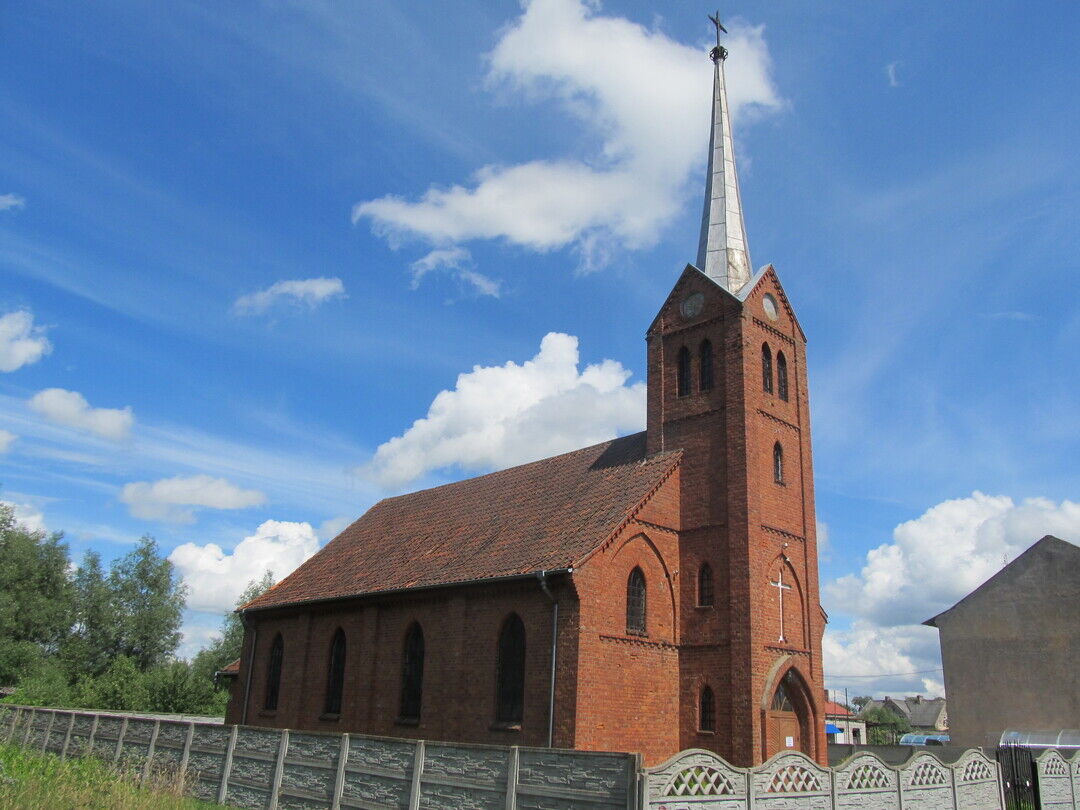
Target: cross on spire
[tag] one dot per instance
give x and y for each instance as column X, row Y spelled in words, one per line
column 780, row 586
column 719, row 52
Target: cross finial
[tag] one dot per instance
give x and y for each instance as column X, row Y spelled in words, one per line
column 719, row 52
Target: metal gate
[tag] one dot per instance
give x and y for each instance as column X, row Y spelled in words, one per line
column 1018, row 777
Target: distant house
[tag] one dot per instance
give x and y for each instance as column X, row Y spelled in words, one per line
column 926, row 715
column 842, row 725
column 1010, row 648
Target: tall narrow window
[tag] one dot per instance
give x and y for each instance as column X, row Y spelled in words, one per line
column 778, row 463
column 412, row 674
column 510, row 682
column 704, row 585
column 273, row 674
column 335, row 679
column 780, row 701
column 781, row 376
column 705, row 365
column 635, row 603
column 766, row 368
column 684, row 378
column 707, row 712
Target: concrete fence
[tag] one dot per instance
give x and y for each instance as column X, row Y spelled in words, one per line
column 274, row 768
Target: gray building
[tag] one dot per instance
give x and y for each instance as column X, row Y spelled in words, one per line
column 1011, row 648
column 925, row 715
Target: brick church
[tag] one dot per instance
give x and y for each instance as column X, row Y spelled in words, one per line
column 653, row 593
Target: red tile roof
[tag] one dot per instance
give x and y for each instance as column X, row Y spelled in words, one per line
column 545, row 515
column 230, row 669
column 832, row 708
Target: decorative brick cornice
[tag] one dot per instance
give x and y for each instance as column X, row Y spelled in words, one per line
column 772, row 330
column 788, row 650
column 782, row 533
column 638, row 642
column 777, row 419
column 689, row 327
column 655, row 526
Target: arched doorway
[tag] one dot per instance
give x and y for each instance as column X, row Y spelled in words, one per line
column 788, row 721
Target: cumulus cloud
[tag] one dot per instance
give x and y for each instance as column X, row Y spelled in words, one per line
column 21, row 343
column 216, row 578
column 7, row 438
column 329, row 529
column 29, row 516
column 639, row 94
column 309, row 292
column 11, row 201
column 932, row 562
column 499, row 416
column 172, row 499
column 71, row 408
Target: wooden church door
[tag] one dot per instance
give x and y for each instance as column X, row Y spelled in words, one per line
column 785, row 731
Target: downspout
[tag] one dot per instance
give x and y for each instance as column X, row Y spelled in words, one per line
column 543, row 578
column 248, row 624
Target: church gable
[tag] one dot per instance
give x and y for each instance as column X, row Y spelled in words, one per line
column 547, row 515
column 775, row 314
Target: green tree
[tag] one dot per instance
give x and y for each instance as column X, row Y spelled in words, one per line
column 122, row 688
column 94, row 637
column 35, row 611
column 860, row 701
column 149, row 601
column 175, row 688
column 225, row 650
column 884, row 727
column 47, row 685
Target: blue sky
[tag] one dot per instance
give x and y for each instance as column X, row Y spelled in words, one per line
column 243, row 249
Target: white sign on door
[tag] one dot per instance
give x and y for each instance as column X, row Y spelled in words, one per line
column 789, row 742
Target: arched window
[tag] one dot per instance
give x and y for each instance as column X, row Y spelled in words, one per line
column 704, row 585
column 683, row 380
column 780, row 700
column 766, row 368
column 778, row 463
column 335, row 679
column 781, row 376
column 705, row 365
column 273, row 674
column 412, row 674
column 510, row 681
column 635, row 603
column 707, row 710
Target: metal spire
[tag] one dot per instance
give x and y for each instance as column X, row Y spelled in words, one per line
column 723, row 252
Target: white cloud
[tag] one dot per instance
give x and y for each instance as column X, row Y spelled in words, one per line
column 171, row 499
column 458, row 261
column 11, row 201
column 310, row 292
column 499, row 416
column 21, row 343
column 329, row 529
column 640, row 94
column 890, row 72
column 215, row 578
column 7, row 438
column 29, row 516
column 934, row 561
column 71, row 408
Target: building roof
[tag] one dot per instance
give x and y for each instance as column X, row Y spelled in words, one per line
column 919, row 711
column 834, row 709
column 1051, row 553
column 547, row 515
column 230, row 670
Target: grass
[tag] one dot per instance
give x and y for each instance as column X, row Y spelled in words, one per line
column 33, row 781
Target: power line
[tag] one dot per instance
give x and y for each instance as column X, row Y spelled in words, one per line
column 887, row 674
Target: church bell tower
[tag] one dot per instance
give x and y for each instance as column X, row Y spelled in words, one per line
column 727, row 386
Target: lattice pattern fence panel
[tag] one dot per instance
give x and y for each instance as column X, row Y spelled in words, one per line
column 866, row 781
column 1056, row 786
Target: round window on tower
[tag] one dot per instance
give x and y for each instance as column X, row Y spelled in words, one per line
column 768, row 303
column 692, row 305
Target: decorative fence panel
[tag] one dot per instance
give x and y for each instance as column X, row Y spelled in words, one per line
column 275, row 768
column 1057, row 780
column 700, row 780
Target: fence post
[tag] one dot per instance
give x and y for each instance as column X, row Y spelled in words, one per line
column 67, row 737
column 955, row 798
column 511, row 778
column 633, row 767
column 48, row 732
column 93, row 732
column 120, row 740
column 339, row 779
column 900, row 788
column 150, row 751
column 279, row 768
column 187, row 748
column 12, row 715
column 29, row 728
column 224, row 787
column 418, row 769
